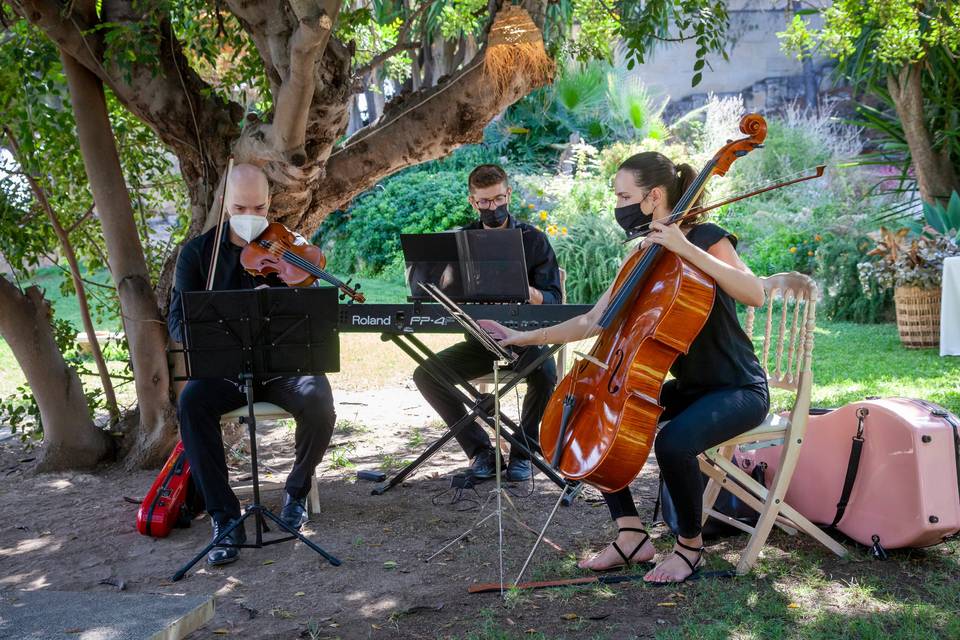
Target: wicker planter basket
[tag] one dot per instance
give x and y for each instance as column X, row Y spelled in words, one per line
column 918, row 316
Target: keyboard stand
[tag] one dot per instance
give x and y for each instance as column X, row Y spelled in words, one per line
column 471, row 396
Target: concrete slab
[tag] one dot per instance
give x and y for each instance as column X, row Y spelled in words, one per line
column 70, row 615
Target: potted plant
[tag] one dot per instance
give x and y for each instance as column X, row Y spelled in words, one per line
column 912, row 265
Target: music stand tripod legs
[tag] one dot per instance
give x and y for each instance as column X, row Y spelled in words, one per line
column 257, row 510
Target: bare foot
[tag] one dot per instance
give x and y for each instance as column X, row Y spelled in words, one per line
column 609, row 558
column 672, row 568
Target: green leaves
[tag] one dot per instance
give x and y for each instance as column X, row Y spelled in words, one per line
column 645, row 24
column 895, row 32
column 943, row 219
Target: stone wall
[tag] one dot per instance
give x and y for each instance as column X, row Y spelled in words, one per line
column 757, row 68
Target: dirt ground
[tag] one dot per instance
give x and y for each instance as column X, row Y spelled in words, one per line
column 76, row 532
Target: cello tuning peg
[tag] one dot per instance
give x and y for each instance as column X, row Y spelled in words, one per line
column 357, row 287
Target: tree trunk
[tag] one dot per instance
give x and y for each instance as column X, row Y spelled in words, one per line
column 145, row 329
column 356, row 120
column 374, row 95
column 67, row 247
column 70, row 439
column 936, row 176
column 811, row 85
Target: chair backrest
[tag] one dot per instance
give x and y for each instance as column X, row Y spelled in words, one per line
column 792, row 297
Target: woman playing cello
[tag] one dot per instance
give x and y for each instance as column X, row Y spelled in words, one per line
column 719, row 389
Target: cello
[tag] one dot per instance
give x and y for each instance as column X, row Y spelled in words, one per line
column 601, row 420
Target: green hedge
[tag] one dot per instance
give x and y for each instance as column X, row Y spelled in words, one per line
column 366, row 238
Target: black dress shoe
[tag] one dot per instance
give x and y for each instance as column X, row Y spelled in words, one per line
column 519, row 470
column 226, row 555
column 484, row 465
column 294, row 512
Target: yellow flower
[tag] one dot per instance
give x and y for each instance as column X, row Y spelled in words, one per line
column 793, row 249
column 531, row 206
column 552, row 230
column 809, row 253
column 563, row 230
column 543, row 214
column 816, row 238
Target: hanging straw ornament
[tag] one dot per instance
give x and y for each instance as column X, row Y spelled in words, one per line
column 515, row 45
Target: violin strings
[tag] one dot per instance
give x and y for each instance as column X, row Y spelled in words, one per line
column 280, row 250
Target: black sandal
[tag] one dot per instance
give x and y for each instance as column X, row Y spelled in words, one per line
column 627, row 559
column 694, row 566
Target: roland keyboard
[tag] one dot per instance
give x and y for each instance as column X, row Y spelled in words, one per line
column 432, row 318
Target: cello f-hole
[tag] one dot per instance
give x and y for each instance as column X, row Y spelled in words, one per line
column 612, row 386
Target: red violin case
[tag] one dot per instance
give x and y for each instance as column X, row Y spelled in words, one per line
column 884, row 472
column 172, row 499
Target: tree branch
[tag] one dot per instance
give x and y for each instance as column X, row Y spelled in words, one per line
column 379, row 59
column 164, row 91
column 296, row 93
column 418, row 127
column 402, row 44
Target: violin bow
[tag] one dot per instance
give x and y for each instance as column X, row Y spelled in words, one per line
column 219, row 233
column 817, row 173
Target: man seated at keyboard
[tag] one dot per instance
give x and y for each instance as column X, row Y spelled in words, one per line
column 490, row 197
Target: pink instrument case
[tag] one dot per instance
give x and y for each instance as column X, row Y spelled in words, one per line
column 907, row 488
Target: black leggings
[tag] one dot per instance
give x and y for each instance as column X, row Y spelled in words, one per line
column 698, row 421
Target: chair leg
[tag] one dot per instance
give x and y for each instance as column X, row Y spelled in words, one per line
column 313, row 498
column 773, row 508
column 711, row 491
column 750, row 499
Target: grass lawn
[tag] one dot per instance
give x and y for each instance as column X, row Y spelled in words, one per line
column 796, row 591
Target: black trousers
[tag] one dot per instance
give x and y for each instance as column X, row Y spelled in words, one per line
column 698, row 421
column 471, row 360
column 308, row 399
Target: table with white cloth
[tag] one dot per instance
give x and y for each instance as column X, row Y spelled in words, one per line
column 950, row 308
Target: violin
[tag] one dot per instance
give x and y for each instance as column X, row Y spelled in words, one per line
column 600, row 422
column 298, row 265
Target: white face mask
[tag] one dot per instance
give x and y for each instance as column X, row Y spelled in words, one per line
column 248, row 227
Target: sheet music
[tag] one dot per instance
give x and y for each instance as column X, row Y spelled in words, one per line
column 468, row 323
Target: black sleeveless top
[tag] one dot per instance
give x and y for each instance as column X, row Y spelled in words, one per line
column 721, row 356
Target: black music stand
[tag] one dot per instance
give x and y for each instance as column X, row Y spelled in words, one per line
column 259, row 334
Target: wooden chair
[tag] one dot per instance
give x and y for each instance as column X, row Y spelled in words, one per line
column 796, row 296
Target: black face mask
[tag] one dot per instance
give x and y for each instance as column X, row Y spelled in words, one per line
column 494, row 217
column 632, row 216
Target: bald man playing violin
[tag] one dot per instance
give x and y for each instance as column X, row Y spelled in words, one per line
column 307, row 398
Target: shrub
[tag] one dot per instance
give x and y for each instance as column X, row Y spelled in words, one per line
column 842, row 297
column 423, row 199
column 595, row 100
column 591, row 253
column 367, row 235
